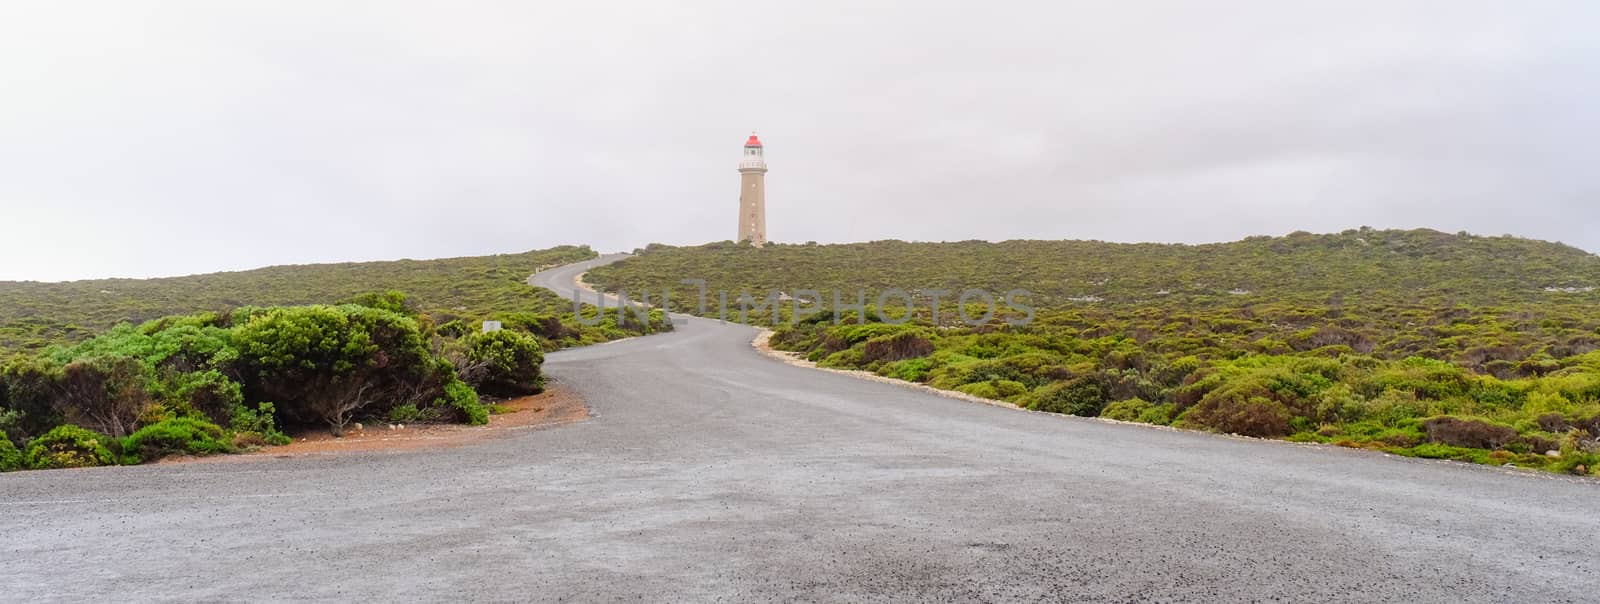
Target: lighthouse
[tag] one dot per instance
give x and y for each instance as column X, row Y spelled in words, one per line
column 753, row 194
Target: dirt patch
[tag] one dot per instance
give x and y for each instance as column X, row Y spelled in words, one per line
column 558, row 405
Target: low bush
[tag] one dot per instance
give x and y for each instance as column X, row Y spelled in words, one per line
column 1008, row 389
column 1444, row 451
column 1129, row 410
column 10, row 457
column 70, row 446
column 28, row 387
column 405, row 414
column 176, row 436
column 897, row 347
column 980, row 390
column 1533, row 443
column 1160, row 415
column 460, row 397
column 104, row 393
column 1553, row 422
column 1477, row 434
column 332, row 363
column 1577, row 462
column 911, row 370
column 1234, row 413
column 1079, row 396
column 258, row 424
column 503, row 363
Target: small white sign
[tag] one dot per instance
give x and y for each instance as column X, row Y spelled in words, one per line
column 489, row 326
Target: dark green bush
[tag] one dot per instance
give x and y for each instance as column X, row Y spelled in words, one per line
column 1079, row 396
column 332, row 363
column 104, row 393
column 70, row 446
column 10, row 457
column 176, row 436
column 28, row 389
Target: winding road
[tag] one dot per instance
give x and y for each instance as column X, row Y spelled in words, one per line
column 710, row 472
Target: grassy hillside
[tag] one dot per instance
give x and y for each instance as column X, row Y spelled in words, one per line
column 471, row 289
column 1363, row 264
column 1422, row 343
column 1478, row 301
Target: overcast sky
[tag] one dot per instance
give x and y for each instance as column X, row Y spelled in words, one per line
column 165, row 138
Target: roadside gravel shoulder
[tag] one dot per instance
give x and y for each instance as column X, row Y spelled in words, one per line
column 558, row 405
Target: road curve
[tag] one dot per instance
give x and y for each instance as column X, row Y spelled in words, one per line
column 712, row 473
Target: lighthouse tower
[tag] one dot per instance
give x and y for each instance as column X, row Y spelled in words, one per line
column 753, row 194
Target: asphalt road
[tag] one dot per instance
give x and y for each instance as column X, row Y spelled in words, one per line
column 710, row 472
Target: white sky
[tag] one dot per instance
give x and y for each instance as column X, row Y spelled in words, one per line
column 163, row 138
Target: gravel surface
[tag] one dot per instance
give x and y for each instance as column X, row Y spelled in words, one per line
column 712, row 472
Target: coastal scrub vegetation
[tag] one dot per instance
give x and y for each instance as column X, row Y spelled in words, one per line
column 456, row 294
column 215, row 380
column 1419, row 343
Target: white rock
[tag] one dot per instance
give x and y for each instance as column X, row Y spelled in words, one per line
column 358, row 426
column 1552, row 454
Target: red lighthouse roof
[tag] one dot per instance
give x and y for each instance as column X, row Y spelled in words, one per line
column 753, row 142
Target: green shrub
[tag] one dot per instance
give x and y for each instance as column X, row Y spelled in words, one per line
column 1426, row 378
column 405, row 414
column 459, row 396
column 1078, row 396
column 1160, row 415
column 969, row 372
column 503, row 363
column 333, row 363
column 69, row 446
column 848, row 358
column 208, row 394
column 1239, row 412
column 1392, row 407
column 176, row 436
column 392, row 301
column 911, row 370
column 1444, row 451
column 10, row 457
column 980, row 390
column 1008, row 389
column 260, row 422
column 1129, row 410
